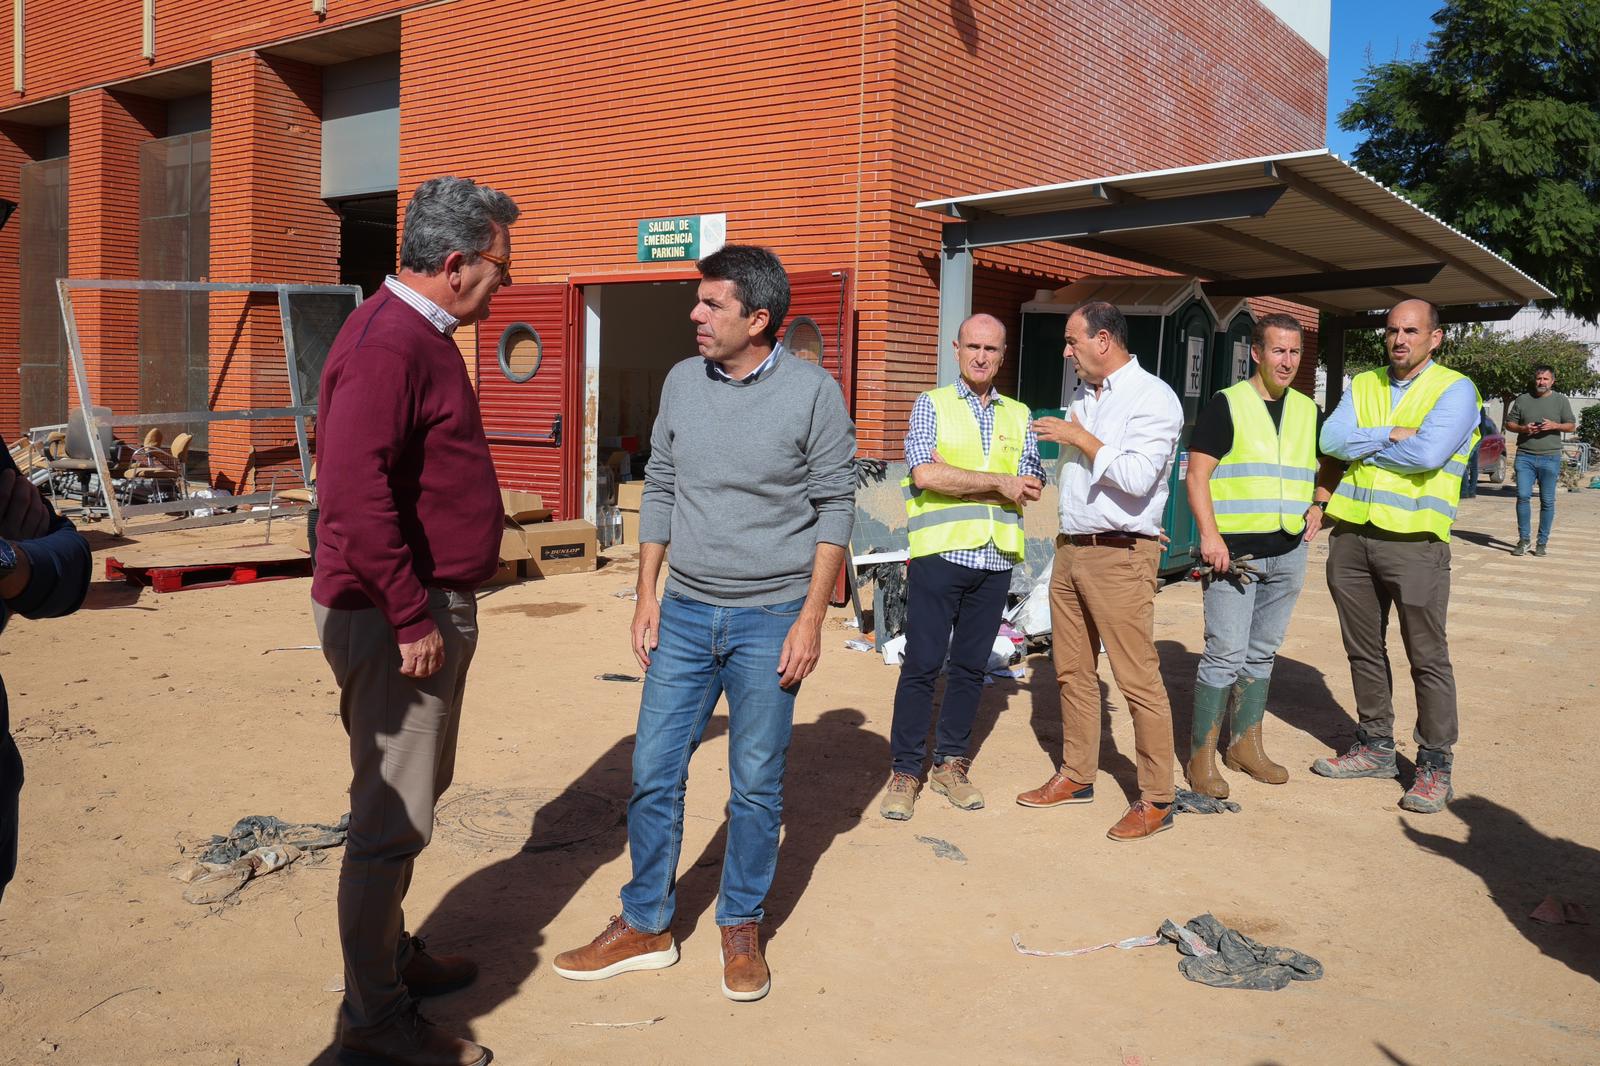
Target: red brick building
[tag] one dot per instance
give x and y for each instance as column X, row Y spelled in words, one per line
column 267, row 141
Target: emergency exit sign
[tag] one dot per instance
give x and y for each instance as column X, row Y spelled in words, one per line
column 681, row 238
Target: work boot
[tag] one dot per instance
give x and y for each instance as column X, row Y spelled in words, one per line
column 1541, row 551
column 949, row 779
column 1142, row 819
column 745, row 976
column 901, row 798
column 1059, row 790
column 408, row 1040
column 1430, row 791
column 1245, row 752
column 619, row 948
column 1210, row 705
column 1521, row 548
column 1374, row 758
column 434, row 975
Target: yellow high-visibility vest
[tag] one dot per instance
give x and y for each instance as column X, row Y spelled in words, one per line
column 938, row 523
column 1403, row 503
column 1266, row 481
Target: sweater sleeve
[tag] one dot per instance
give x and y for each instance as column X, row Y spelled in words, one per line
column 361, row 438
column 59, row 566
column 830, row 476
column 660, row 475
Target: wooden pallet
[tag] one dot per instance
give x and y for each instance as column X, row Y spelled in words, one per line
column 174, row 572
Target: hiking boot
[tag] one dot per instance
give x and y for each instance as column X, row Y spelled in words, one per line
column 1541, row 551
column 1430, row 792
column 434, row 975
column 408, row 1040
column 1364, row 759
column 1060, row 789
column 949, row 779
column 1245, row 752
column 619, row 948
column 901, row 798
column 1521, row 548
column 745, row 976
column 1142, row 819
column 1210, row 705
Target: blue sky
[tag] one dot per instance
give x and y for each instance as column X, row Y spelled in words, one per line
column 1378, row 30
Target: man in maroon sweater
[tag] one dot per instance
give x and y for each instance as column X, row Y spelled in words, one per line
column 410, row 526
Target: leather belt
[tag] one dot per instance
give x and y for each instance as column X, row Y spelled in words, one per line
column 1106, row 540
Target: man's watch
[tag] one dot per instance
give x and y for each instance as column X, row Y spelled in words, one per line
column 8, row 558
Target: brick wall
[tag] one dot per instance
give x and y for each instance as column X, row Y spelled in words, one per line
column 18, row 145
column 268, row 223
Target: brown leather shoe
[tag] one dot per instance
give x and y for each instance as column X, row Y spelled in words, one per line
column 434, row 975
column 1058, row 790
column 409, row 1040
column 745, row 976
column 1143, row 819
column 619, row 948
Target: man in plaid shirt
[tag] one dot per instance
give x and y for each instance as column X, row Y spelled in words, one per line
column 974, row 464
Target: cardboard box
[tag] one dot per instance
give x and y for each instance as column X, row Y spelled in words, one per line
column 630, row 527
column 630, row 495
column 559, row 548
column 523, row 506
column 507, row 573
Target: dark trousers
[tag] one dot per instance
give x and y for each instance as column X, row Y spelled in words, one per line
column 943, row 596
column 1368, row 573
column 10, row 794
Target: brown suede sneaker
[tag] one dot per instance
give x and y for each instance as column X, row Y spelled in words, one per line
column 434, row 975
column 745, row 976
column 409, row 1040
column 619, row 948
column 1058, row 790
column 1143, row 819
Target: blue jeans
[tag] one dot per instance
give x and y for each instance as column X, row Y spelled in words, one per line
column 1469, row 484
column 704, row 651
column 1547, row 469
column 1245, row 624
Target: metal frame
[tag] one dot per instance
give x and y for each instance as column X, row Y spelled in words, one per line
column 298, row 409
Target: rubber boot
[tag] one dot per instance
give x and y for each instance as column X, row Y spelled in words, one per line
column 1244, row 751
column 1210, row 705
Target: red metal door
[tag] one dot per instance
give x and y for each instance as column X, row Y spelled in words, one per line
column 530, row 381
column 822, row 298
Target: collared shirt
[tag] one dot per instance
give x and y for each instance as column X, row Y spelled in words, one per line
column 1444, row 431
column 716, row 373
column 437, row 317
column 924, row 435
column 1137, row 418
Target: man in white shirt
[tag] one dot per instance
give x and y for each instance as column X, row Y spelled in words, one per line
column 1118, row 441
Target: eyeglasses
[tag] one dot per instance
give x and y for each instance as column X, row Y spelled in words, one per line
column 503, row 262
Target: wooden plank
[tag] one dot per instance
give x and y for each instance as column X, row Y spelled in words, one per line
column 203, row 555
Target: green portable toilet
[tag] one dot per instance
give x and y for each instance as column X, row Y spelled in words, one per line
column 1171, row 328
column 1232, row 345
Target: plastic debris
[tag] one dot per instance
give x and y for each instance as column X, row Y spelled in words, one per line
column 859, row 645
column 943, row 849
column 1186, row 802
column 263, row 830
column 1221, row 957
column 1125, row 945
column 214, row 882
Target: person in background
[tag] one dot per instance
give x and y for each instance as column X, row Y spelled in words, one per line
column 1538, row 418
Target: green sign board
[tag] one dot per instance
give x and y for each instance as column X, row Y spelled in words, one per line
column 681, row 238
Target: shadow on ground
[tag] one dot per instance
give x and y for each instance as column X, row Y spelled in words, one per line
column 1520, row 866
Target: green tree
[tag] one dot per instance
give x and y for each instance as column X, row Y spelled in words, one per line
column 1496, row 129
column 1502, row 366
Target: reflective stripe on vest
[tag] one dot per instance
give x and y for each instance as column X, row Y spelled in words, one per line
column 1266, row 481
column 1402, row 503
column 937, row 523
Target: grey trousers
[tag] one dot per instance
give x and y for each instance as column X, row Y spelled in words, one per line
column 402, row 754
column 1368, row 573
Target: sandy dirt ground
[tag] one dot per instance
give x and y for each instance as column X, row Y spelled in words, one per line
column 148, row 719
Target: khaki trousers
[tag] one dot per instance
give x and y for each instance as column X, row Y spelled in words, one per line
column 1098, row 595
column 402, row 754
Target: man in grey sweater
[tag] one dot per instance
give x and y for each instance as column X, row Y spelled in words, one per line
column 750, row 481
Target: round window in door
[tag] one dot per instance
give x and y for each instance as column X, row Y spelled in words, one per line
column 521, row 352
column 804, row 339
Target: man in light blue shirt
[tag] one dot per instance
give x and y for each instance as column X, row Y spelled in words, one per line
column 1402, row 450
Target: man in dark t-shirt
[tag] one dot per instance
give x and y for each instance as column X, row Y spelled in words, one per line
column 1252, row 485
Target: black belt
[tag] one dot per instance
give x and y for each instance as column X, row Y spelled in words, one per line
column 1106, row 540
